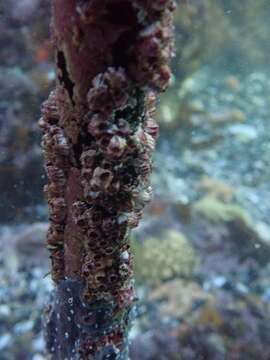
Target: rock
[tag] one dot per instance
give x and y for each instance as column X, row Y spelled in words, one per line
column 243, row 133
column 28, row 242
column 216, row 188
column 31, row 236
column 5, row 311
column 5, row 341
column 266, row 296
column 39, row 344
column 215, row 282
column 226, row 116
column 157, row 343
column 204, row 141
column 232, row 82
column 231, row 328
column 263, row 230
column 23, row 327
column 177, row 297
column 38, row 357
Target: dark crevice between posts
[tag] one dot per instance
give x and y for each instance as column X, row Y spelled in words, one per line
column 98, row 138
column 63, row 75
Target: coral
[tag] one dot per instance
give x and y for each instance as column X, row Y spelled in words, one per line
column 216, row 188
column 246, row 238
column 217, row 211
column 174, row 303
column 171, row 256
column 235, row 329
column 227, row 326
column 98, row 137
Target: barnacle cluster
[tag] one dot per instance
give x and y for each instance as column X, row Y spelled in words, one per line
column 56, row 155
column 154, row 45
column 107, row 136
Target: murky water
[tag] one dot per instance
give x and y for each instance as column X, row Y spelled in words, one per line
column 202, row 250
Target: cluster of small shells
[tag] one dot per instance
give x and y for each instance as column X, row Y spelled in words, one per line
column 116, row 163
column 110, row 139
column 115, row 171
column 154, row 46
column 56, row 150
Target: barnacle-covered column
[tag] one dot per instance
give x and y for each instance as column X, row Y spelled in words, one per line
column 98, row 135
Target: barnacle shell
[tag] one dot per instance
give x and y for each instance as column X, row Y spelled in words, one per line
column 152, row 128
column 101, row 179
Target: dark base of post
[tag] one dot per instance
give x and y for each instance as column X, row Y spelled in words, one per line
column 76, row 330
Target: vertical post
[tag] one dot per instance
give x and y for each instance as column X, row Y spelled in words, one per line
column 98, row 136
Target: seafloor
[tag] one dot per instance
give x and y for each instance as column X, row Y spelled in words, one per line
column 208, row 296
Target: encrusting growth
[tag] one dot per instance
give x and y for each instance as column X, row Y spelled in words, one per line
column 98, row 136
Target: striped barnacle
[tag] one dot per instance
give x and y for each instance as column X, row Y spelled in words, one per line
column 57, row 208
column 101, row 180
column 116, row 147
column 97, row 126
column 88, row 158
column 152, row 128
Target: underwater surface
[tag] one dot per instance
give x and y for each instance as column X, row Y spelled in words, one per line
column 202, row 250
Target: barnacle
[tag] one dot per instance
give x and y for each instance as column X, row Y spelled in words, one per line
column 101, row 179
column 98, row 137
column 153, row 49
column 50, row 109
column 57, row 209
column 152, row 128
column 116, row 147
column 88, row 158
column 97, row 126
column 123, row 127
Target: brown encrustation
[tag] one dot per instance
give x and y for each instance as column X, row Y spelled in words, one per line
column 98, row 136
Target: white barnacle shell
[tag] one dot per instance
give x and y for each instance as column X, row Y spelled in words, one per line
column 142, row 196
column 125, row 255
column 122, row 218
column 147, row 194
column 150, row 141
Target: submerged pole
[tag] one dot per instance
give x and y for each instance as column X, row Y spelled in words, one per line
column 98, row 136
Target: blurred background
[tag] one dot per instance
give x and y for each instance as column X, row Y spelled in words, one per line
column 202, row 250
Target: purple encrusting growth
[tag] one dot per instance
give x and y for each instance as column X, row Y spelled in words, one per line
column 71, row 322
column 98, row 136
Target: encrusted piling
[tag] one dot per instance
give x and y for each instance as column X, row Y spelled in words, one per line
column 98, row 136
